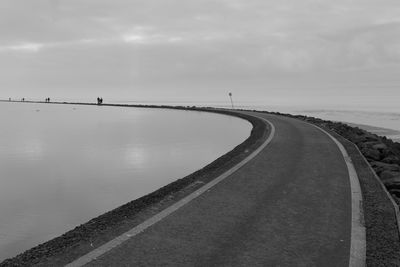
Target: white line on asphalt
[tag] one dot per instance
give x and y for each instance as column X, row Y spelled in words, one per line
column 358, row 237
column 158, row 217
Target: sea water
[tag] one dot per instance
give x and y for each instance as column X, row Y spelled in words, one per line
column 380, row 119
column 61, row 165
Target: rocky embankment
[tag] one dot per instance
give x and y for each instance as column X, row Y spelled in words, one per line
column 382, row 153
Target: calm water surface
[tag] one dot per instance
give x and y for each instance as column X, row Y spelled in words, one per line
column 61, row 165
column 381, row 119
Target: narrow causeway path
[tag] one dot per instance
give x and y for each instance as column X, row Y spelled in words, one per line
column 289, row 206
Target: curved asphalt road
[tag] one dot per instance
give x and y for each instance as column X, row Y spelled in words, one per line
column 289, row 206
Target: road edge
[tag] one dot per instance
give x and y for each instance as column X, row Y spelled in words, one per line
column 358, row 231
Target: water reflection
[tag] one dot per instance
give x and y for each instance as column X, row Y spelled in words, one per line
column 61, row 167
column 136, row 156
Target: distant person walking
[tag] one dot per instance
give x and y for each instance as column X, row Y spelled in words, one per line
column 99, row 101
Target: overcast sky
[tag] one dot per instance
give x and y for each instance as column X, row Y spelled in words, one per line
column 308, row 52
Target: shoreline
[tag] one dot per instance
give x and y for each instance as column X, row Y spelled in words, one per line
column 99, row 230
column 383, row 230
column 388, row 132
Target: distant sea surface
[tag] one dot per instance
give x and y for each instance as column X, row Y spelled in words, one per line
column 61, row 165
column 381, row 121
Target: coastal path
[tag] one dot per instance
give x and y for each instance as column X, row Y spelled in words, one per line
column 291, row 205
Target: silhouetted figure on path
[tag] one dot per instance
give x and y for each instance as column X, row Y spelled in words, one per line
column 99, row 101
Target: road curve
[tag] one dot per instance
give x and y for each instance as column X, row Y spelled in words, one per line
column 289, row 206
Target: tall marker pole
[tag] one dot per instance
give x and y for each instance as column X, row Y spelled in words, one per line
column 230, row 96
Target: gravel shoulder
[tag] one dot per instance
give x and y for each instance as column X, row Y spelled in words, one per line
column 383, row 243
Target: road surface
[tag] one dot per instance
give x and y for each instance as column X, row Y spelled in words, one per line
column 289, row 206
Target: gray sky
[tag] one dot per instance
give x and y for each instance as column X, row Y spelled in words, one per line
column 290, row 52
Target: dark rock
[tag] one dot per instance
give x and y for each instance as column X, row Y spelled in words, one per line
column 393, row 183
column 371, row 153
column 359, row 139
column 385, row 153
column 385, row 175
column 380, row 147
column 396, row 199
column 360, row 145
column 371, row 137
column 395, row 193
column 392, row 159
column 380, row 167
column 371, row 144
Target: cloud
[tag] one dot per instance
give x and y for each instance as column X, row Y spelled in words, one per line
column 24, row 47
column 125, row 44
column 374, row 45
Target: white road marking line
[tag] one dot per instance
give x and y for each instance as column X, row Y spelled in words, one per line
column 358, row 235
